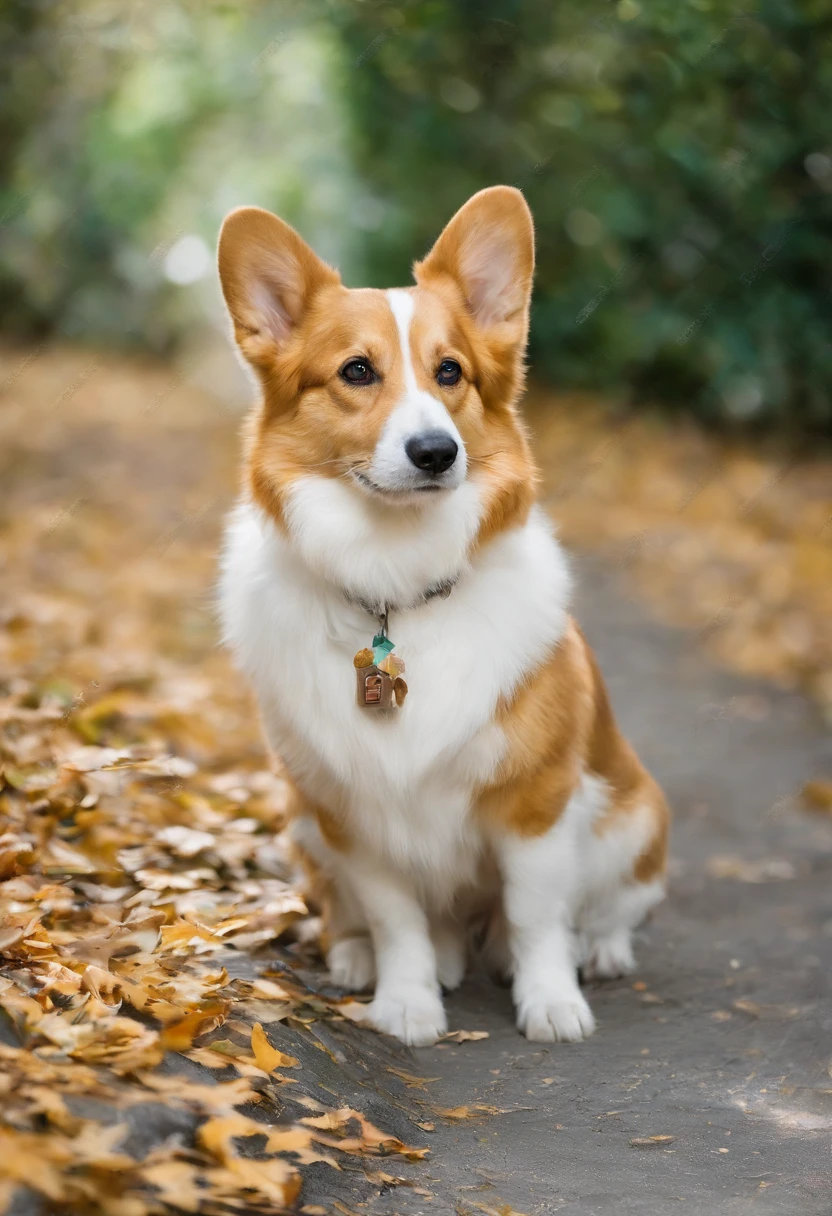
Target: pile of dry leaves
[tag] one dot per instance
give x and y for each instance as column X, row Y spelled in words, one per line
column 124, row 874
column 139, row 823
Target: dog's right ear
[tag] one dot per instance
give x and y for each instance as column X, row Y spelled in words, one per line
column 269, row 276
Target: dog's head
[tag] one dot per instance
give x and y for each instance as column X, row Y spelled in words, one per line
column 389, row 402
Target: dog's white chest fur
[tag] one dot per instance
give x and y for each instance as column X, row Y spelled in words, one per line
column 403, row 779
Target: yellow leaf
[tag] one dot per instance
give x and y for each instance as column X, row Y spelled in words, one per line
column 817, row 797
column 477, row 1110
column 183, row 937
column 177, row 1184
column 411, row 1080
column 268, row 1058
column 179, row 1036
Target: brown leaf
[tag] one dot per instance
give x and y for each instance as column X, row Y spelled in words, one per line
column 773, row 869
column 817, row 797
column 183, row 937
column 777, row 1013
column 411, row 1080
column 102, row 984
column 177, row 1183
column 179, row 1036
column 371, row 1139
column 118, row 1042
column 464, row 1036
column 475, row 1111
column 275, row 1179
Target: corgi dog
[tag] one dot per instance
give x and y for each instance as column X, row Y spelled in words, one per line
column 389, row 490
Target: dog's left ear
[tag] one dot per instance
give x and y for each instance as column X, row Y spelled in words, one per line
column 488, row 250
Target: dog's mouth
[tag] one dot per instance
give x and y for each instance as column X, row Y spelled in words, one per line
column 367, row 483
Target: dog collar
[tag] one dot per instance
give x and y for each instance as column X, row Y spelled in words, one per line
column 381, row 609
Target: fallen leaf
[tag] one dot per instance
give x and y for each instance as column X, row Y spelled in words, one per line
column 504, row 1209
column 477, row 1110
column 184, row 841
column 179, row 1184
column 102, row 984
column 817, row 797
column 183, row 937
column 464, row 1036
column 355, row 1011
column 268, row 1057
column 769, row 1012
column 411, row 1080
column 380, row 1178
column 371, row 1139
column 220, row 1097
column 179, row 1035
column 771, row 869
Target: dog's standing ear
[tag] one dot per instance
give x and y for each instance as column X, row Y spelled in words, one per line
column 269, row 275
column 488, row 249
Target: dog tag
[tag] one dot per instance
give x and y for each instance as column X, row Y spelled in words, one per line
column 378, row 672
column 374, row 688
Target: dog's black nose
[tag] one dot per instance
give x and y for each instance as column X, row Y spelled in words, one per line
column 432, row 451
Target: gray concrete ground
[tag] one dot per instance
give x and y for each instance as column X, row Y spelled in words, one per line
column 723, row 1038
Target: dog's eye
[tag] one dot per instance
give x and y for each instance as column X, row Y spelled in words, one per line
column 449, row 373
column 358, row 371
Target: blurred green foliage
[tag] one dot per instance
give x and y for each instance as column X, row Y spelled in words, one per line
column 137, row 126
column 677, row 157
column 678, row 160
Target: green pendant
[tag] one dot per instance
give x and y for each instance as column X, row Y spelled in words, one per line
column 381, row 647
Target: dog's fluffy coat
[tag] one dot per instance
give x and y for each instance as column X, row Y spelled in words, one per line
column 502, row 794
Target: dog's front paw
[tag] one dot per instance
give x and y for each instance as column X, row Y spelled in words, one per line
column 417, row 1019
column 545, row 1020
column 352, row 963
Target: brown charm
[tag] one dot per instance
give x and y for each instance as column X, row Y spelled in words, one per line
column 378, row 674
column 374, row 688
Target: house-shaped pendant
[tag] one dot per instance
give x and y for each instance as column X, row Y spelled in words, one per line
column 378, row 676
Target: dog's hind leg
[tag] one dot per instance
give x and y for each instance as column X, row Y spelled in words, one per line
column 606, row 932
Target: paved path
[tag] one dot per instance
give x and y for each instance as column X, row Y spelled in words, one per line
column 723, row 1039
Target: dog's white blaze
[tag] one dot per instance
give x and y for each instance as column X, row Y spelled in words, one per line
column 417, row 411
column 401, row 306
